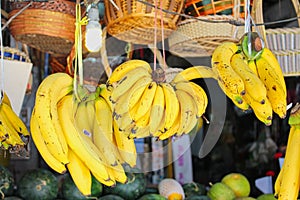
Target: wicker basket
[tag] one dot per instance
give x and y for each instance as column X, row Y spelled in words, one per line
column 135, row 21
column 46, row 26
column 284, row 42
column 200, row 36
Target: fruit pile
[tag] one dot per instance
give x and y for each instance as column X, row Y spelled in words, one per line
column 14, row 135
column 251, row 78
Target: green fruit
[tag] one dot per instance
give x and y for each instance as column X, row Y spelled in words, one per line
column 193, row 188
column 152, row 197
column 198, row 197
column 238, row 183
column 133, row 189
column 266, row 197
column 245, row 198
column 71, row 192
column 220, row 191
column 110, row 197
column 6, row 181
column 38, row 184
column 12, row 198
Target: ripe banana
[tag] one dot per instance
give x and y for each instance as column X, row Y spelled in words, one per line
column 45, row 107
column 39, row 142
column 194, row 72
column 222, row 68
column 6, row 99
column 81, row 118
column 126, row 67
column 253, row 85
column 80, row 173
column 76, row 142
column 276, row 92
column 172, row 107
column 252, row 66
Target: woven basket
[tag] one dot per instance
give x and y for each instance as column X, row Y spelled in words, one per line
column 200, row 36
column 135, row 21
column 283, row 42
column 46, row 26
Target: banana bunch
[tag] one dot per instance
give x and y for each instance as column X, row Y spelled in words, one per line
column 252, row 80
column 144, row 104
column 287, row 183
column 14, row 135
column 78, row 135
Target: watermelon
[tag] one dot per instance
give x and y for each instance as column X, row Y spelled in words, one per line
column 238, row 183
column 133, row 189
column 71, row 192
column 38, row 184
column 266, row 197
column 193, row 188
column 6, row 181
column 110, row 197
column 12, row 198
column 198, row 197
column 220, row 191
column 152, row 197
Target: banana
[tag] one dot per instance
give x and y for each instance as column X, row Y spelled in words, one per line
column 174, row 130
column 14, row 119
column 126, row 146
column 81, row 117
column 276, row 92
column 290, row 178
column 263, row 112
column 222, row 68
column 76, row 142
column 125, row 122
column 235, row 98
column 194, row 72
column 277, row 184
column 253, row 85
column 126, row 67
column 103, row 139
column 252, row 66
column 171, row 105
column 103, row 92
column 129, row 99
column 188, row 110
column 39, row 142
column 157, row 110
column 47, row 97
column 6, row 99
column 144, row 104
column 124, row 85
column 80, row 173
column 139, row 132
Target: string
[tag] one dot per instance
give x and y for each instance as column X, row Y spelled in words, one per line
column 162, row 34
column 1, row 60
column 155, row 35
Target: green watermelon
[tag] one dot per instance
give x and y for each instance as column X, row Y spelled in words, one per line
column 152, row 197
column 38, row 184
column 71, row 192
column 220, row 191
column 193, row 188
column 110, row 197
column 133, row 189
column 6, row 181
column 198, row 197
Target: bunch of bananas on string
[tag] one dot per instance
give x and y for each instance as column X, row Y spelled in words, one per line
column 14, row 135
column 77, row 134
column 144, row 104
column 287, row 183
column 251, row 77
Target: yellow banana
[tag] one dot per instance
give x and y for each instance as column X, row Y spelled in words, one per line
column 104, row 93
column 80, row 173
column 139, row 132
column 252, row 66
column 39, row 142
column 275, row 90
column 221, row 66
column 6, row 99
column 144, row 104
column 124, row 85
column 194, row 72
column 126, row 67
column 290, row 178
column 81, row 118
column 157, row 110
column 50, row 91
column 253, row 85
column 17, row 123
column 124, row 122
column 263, row 112
column 75, row 140
column 171, row 131
column 126, row 146
column 171, row 105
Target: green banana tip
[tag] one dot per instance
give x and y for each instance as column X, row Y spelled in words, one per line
column 294, row 118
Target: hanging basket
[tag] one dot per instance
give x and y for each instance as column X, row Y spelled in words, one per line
column 283, row 42
column 135, row 21
column 46, row 26
column 200, row 36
